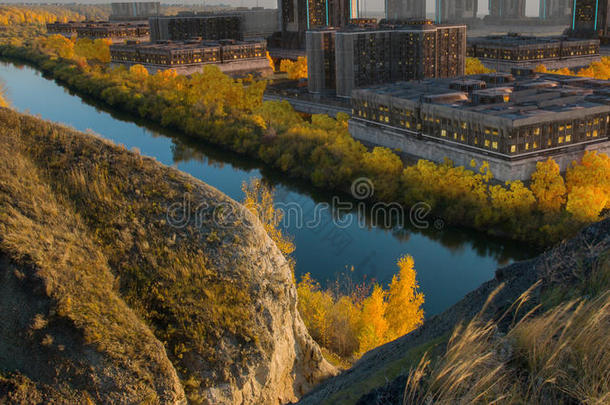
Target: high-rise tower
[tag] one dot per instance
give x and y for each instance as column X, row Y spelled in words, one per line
column 405, row 9
column 507, row 8
column 590, row 18
column 555, row 9
column 455, row 10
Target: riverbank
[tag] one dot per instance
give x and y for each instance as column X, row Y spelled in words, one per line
column 321, row 152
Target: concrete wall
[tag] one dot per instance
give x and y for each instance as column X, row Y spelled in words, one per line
column 437, row 151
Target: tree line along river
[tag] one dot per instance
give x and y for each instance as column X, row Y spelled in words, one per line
column 450, row 262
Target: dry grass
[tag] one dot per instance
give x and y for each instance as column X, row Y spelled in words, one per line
column 90, row 219
column 558, row 355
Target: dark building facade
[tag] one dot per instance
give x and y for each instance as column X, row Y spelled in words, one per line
column 384, row 54
column 187, row 57
column 505, row 52
column 507, row 9
column 183, row 27
column 139, row 10
column 405, row 9
column 298, row 16
column 456, row 10
column 590, row 19
column 114, row 31
column 556, row 10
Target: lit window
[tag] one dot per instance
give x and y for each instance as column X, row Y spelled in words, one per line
column 455, row 136
column 527, row 146
column 536, row 131
column 443, row 132
column 560, row 140
column 487, row 143
column 568, row 138
column 535, row 146
column 464, row 125
column 588, row 134
column 594, row 133
column 561, row 127
column 513, row 148
column 494, row 145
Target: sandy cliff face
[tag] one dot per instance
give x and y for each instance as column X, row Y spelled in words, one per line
column 127, row 281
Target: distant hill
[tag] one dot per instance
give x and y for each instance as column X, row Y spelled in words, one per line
column 105, row 298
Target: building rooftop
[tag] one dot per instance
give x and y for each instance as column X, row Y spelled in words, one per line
column 513, row 97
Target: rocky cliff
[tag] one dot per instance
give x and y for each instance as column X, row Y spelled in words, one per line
column 127, row 281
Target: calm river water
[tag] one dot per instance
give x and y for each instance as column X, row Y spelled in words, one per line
column 449, row 262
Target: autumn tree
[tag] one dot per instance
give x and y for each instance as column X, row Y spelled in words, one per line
column 404, row 310
column 374, row 324
column 475, row 66
column 295, row 70
column 548, row 186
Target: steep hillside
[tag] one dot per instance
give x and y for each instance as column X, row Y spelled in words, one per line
column 110, row 298
column 576, row 269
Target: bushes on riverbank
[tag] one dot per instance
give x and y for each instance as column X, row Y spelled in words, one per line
column 227, row 112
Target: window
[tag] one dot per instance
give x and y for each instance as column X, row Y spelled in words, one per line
column 494, row 145
column 527, row 146
column 594, row 133
column 536, row 131
column 560, row 140
column 443, row 132
column 513, row 148
column 487, row 143
column 568, row 138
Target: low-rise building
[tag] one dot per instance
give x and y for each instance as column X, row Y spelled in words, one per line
column 116, row 32
column 355, row 57
column 505, row 52
column 186, row 57
column 510, row 121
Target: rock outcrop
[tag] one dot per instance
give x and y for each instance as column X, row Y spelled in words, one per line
column 126, row 281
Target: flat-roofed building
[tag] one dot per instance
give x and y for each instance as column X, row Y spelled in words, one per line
column 412, row 50
column 114, row 31
column 505, row 52
column 134, row 11
column 510, row 121
column 187, row 57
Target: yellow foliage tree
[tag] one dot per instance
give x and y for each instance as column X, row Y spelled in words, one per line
column 475, row 66
column 374, row 324
column 295, row 70
column 548, row 186
column 592, row 172
column 138, row 73
column 586, row 203
column 404, row 310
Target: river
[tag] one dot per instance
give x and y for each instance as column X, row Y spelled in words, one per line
column 449, row 262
